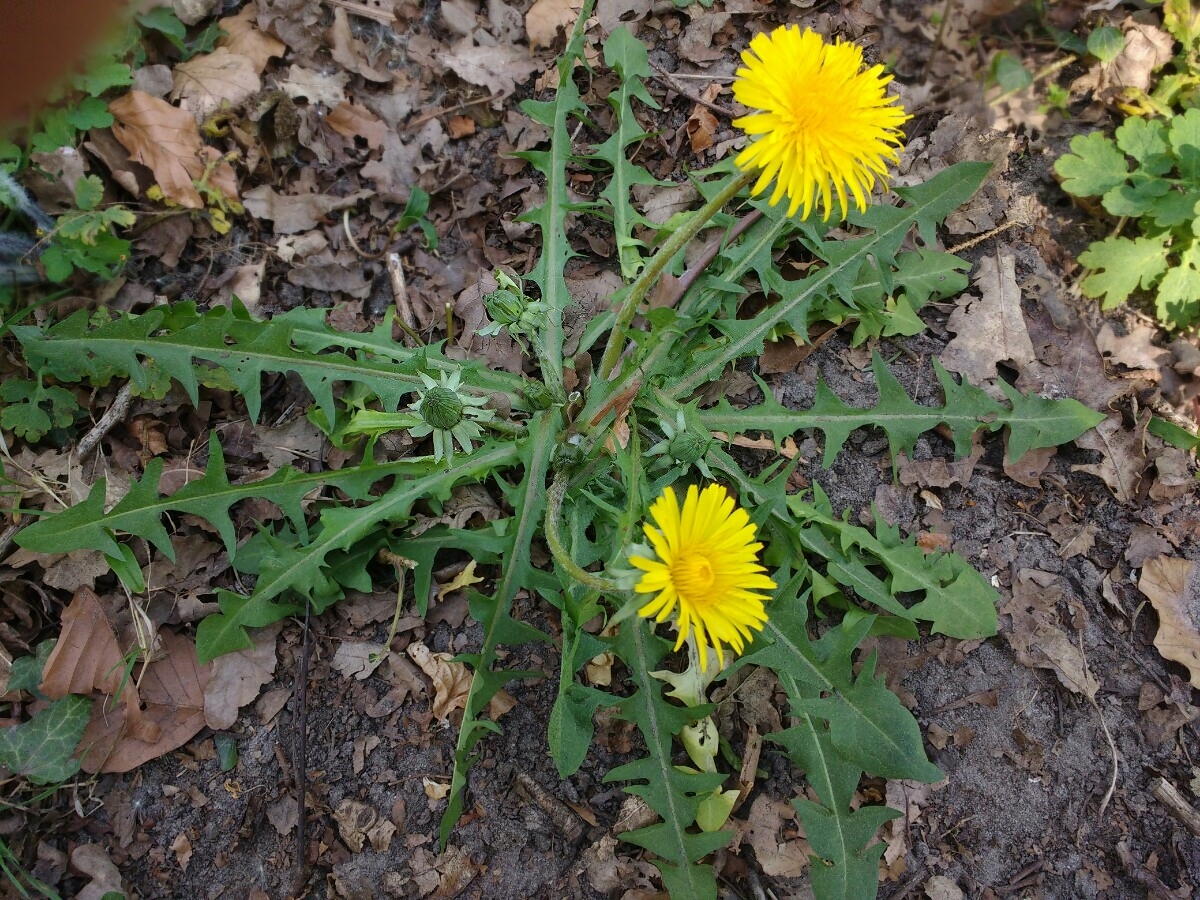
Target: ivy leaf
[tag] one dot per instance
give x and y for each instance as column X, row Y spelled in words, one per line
column 1093, row 167
column 1121, row 265
column 42, row 750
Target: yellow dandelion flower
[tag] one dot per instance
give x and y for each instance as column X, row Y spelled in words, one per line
column 824, row 126
column 706, row 573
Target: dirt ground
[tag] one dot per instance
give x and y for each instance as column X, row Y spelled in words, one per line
column 1048, row 793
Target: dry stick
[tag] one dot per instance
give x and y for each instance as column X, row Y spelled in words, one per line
column 669, row 80
column 1112, row 747
column 1037, row 76
column 937, row 44
column 301, row 761
column 1176, row 805
column 408, row 319
column 113, row 415
column 421, row 120
column 6, row 538
column 688, row 278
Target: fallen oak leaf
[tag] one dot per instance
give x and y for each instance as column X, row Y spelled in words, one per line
column 87, row 658
column 293, row 213
column 206, row 83
column 166, row 139
column 242, row 37
column 451, row 680
column 237, row 678
column 172, row 689
column 1172, row 585
column 546, row 19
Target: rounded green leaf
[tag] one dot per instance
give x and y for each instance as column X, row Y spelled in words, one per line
column 1106, row 43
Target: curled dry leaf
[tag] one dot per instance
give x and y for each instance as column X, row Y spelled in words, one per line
column 1172, row 586
column 208, row 82
column 167, row 140
column 238, row 677
column 172, row 689
column 315, row 86
column 546, row 19
column 293, row 213
column 87, row 658
column 92, row 860
column 451, row 680
column 244, row 38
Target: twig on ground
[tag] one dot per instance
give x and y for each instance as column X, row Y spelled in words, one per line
column 421, row 120
column 6, row 538
column 407, row 318
column 1112, row 747
column 300, row 762
column 1168, row 795
column 114, row 414
column 669, row 80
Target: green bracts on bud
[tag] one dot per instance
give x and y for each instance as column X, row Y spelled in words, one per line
column 688, row 446
column 537, row 395
column 441, row 408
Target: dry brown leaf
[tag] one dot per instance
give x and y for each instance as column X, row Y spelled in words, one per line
column 243, row 37
column 1172, row 585
column 460, row 126
column 991, row 329
column 166, row 139
column 546, row 19
column 315, row 86
column 182, row 847
column 353, row 121
column 293, row 213
column 435, row 790
column 451, row 680
column 359, row 822
column 87, row 658
column 358, row 661
column 92, row 860
column 778, row 859
column 206, row 83
column 348, row 53
column 701, row 129
column 499, row 69
column 329, row 271
column 1036, row 638
column 237, row 678
column 1123, row 455
column 172, row 689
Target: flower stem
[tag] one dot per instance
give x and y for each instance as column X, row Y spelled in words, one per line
column 554, row 499
column 676, row 242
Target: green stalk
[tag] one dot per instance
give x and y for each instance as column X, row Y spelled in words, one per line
column 675, row 243
column 562, row 556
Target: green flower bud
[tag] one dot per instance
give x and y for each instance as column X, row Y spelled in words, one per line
column 688, row 446
column 441, row 408
column 537, row 395
column 504, row 307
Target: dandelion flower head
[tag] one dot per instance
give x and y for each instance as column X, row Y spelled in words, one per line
column 706, row 572
column 822, row 125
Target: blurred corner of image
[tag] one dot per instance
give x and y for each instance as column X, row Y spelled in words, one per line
column 41, row 41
